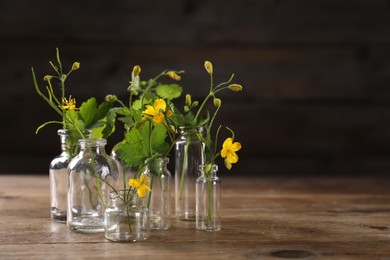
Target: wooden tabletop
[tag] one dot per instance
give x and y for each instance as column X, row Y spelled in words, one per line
column 263, row 218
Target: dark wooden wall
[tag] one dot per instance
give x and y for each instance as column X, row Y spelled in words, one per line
column 316, row 73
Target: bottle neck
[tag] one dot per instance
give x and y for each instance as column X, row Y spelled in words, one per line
column 94, row 145
column 157, row 165
column 208, row 170
column 69, row 139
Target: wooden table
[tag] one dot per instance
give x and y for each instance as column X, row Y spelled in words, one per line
column 263, row 218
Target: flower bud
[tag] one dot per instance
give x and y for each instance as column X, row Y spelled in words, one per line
column 217, row 102
column 136, row 71
column 76, row 65
column 209, row 67
column 111, row 98
column 47, row 78
column 195, row 104
column 173, row 75
column 188, row 100
column 235, row 87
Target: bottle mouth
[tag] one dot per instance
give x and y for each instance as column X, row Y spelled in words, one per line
column 191, row 128
column 86, row 133
column 92, row 142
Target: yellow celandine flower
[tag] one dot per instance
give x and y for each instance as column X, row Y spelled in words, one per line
column 228, row 152
column 141, row 184
column 68, row 105
column 156, row 112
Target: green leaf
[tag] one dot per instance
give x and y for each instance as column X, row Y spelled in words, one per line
column 134, row 151
column 136, row 105
column 103, row 110
column 169, row 91
column 88, row 111
column 159, row 144
column 110, row 124
column 145, row 133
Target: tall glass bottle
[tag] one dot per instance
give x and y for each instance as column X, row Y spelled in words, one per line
column 92, row 176
column 58, row 173
column 159, row 199
column 189, row 154
column 208, row 199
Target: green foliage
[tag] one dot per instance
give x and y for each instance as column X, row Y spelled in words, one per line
column 134, row 150
column 169, row 91
column 98, row 118
column 158, row 143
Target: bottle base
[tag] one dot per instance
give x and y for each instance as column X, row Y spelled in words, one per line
column 126, row 237
column 87, row 225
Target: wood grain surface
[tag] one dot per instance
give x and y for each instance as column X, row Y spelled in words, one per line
column 263, row 218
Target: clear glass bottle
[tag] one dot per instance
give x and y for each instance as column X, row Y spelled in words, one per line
column 92, row 176
column 189, row 154
column 159, row 199
column 127, row 220
column 208, row 199
column 58, row 173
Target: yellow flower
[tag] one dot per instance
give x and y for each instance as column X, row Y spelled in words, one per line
column 173, row 75
column 228, row 152
column 136, row 70
column 209, row 67
column 235, row 87
column 76, row 66
column 156, row 112
column 68, row 105
column 141, row 184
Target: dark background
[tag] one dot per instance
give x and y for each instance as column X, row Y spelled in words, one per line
column 316, row 74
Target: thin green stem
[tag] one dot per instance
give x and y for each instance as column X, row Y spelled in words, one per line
column 183, row 170
column 42, row 95
column 209, row 197
column 202, row 105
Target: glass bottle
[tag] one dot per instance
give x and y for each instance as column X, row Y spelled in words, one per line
column 159, row 199
column 208, row 199
column 127, row 220
column 92, row 176
column 58, row 173
column 189, row 154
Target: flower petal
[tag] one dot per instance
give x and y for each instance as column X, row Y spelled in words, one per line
column 228, row 142
column 236, row 146
column 149, row 111
column 134, row 183
column 159, row 104
column 227, row 164
column 232, row 157
column 141, row 191
column 159, row 119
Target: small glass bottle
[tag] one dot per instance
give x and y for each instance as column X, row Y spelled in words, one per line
column 58, row 173
column 159, row 199
column 208, row 199
column 92, row 176
column 127, row 220
column 189, row 154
